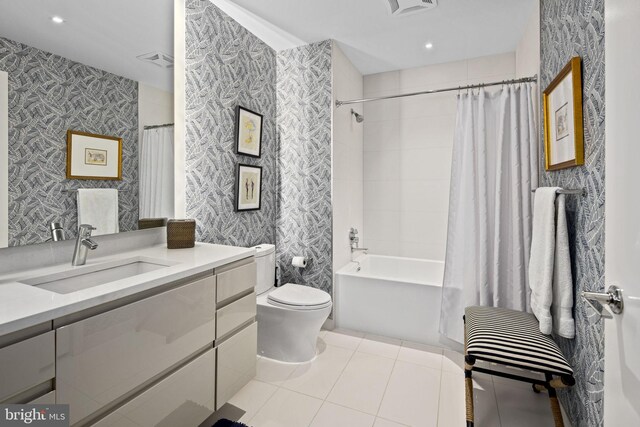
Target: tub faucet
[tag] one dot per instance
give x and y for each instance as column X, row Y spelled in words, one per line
column 354, row 239
column 84, row 243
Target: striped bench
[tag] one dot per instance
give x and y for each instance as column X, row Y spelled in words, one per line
column 513, row 338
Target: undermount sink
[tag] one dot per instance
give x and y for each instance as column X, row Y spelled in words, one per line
column 80, row 278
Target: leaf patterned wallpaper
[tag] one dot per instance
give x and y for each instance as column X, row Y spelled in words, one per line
column 570, row 28
column 305, row 218
column 226, row 65
column 49, row 94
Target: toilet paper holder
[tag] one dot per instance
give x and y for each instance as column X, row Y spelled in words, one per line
column 299, row 262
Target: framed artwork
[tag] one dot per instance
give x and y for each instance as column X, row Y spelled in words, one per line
column 563, row 131
column 248, row 188
column 248, row 132
column 91, row 156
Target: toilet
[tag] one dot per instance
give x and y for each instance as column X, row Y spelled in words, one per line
column 289, row 316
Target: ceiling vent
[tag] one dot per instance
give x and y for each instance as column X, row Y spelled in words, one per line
column 162, row 60
column 408, row 7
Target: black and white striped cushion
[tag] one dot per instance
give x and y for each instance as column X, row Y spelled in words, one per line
column 512, row 338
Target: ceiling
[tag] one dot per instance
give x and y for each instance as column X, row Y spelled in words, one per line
column 106, row 34
column 376, row 42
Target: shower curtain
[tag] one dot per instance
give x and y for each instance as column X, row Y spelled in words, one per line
column 494, row 169
column 156, row 173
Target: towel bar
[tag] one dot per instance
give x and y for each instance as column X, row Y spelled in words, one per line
column 580, row 191
column 75, row 190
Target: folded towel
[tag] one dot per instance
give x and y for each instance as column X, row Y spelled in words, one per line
column 562, row 306
column 542, row 258
column 550, row 277
column 99, row 208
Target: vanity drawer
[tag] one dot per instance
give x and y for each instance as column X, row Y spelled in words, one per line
column 47, row 399
column 236, row 281
column 236, row 363
column 184, row 398
column 101, row 358
column 26, row 364
column 235, row 314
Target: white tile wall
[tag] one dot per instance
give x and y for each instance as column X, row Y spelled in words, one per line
column 347, row 158
column 407, row 154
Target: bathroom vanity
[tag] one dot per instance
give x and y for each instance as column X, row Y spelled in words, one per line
column 147, row 337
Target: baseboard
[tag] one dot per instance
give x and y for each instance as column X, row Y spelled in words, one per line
column 329, row 324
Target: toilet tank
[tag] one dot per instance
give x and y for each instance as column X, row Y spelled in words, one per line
column 266, row 266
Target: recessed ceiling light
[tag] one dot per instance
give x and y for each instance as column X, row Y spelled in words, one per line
column 57, row 20
column 429, row 46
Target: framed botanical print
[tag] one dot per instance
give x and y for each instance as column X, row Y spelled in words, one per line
column 563, row 129
column 248, row 188
column 248, row 132
column 92, row 156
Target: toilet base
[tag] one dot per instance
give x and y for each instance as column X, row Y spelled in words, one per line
column 288, row 335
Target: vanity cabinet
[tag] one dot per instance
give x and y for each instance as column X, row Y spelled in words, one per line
column 235, row 279
column 184, row 398
column 103, row 357
column 237, row 330
column 236, row 363
column 26, row 365
column 170, row 356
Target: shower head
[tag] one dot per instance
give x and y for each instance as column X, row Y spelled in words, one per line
column 359, row 117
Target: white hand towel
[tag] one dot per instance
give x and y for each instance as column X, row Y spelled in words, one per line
column 561, row 308
column 99, row 208
column 542, row 256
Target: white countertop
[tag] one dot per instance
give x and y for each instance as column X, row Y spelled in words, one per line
column 22, row 306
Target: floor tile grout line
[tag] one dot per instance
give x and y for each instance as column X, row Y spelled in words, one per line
column 495, row 397
column 386, row 386
column 265, row 403
column 316, row 397
column 315, row 414
column 439, row 397
column 341, row 373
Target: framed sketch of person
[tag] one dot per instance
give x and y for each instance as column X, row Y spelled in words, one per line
column 248, row 188
column 563, row 129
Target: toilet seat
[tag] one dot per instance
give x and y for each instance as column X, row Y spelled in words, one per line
column 298, row 297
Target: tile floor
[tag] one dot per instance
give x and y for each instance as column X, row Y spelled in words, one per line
column 362, row 381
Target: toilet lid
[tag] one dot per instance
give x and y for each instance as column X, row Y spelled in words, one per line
column 298, row 296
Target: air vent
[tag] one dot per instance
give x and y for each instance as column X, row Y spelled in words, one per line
column 162, row 60
column 408, row 7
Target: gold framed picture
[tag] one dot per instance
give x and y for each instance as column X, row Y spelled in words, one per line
column 562, row 108
column 92, row 156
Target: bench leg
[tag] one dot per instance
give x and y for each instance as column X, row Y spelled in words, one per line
column 468, row 385
column 555, row 408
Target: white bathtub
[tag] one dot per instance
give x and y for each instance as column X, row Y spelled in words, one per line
column 391, row 296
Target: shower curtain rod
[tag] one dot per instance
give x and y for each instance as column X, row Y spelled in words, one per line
column 158, row 126
column 428, row 92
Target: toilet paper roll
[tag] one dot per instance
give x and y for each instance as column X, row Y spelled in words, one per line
column 299, row 261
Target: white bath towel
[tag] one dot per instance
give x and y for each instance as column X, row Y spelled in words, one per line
column 542, row 256
column 550, row 265
column 562, row 306
column 99, row 208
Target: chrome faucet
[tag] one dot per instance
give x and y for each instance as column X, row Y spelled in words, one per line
column 57, row 232
column 354, row 239
column 84, row 243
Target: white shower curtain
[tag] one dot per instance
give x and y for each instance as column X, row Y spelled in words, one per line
column 494, row 168
column 156, row 173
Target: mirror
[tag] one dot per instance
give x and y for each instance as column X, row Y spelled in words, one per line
column 72, row 68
